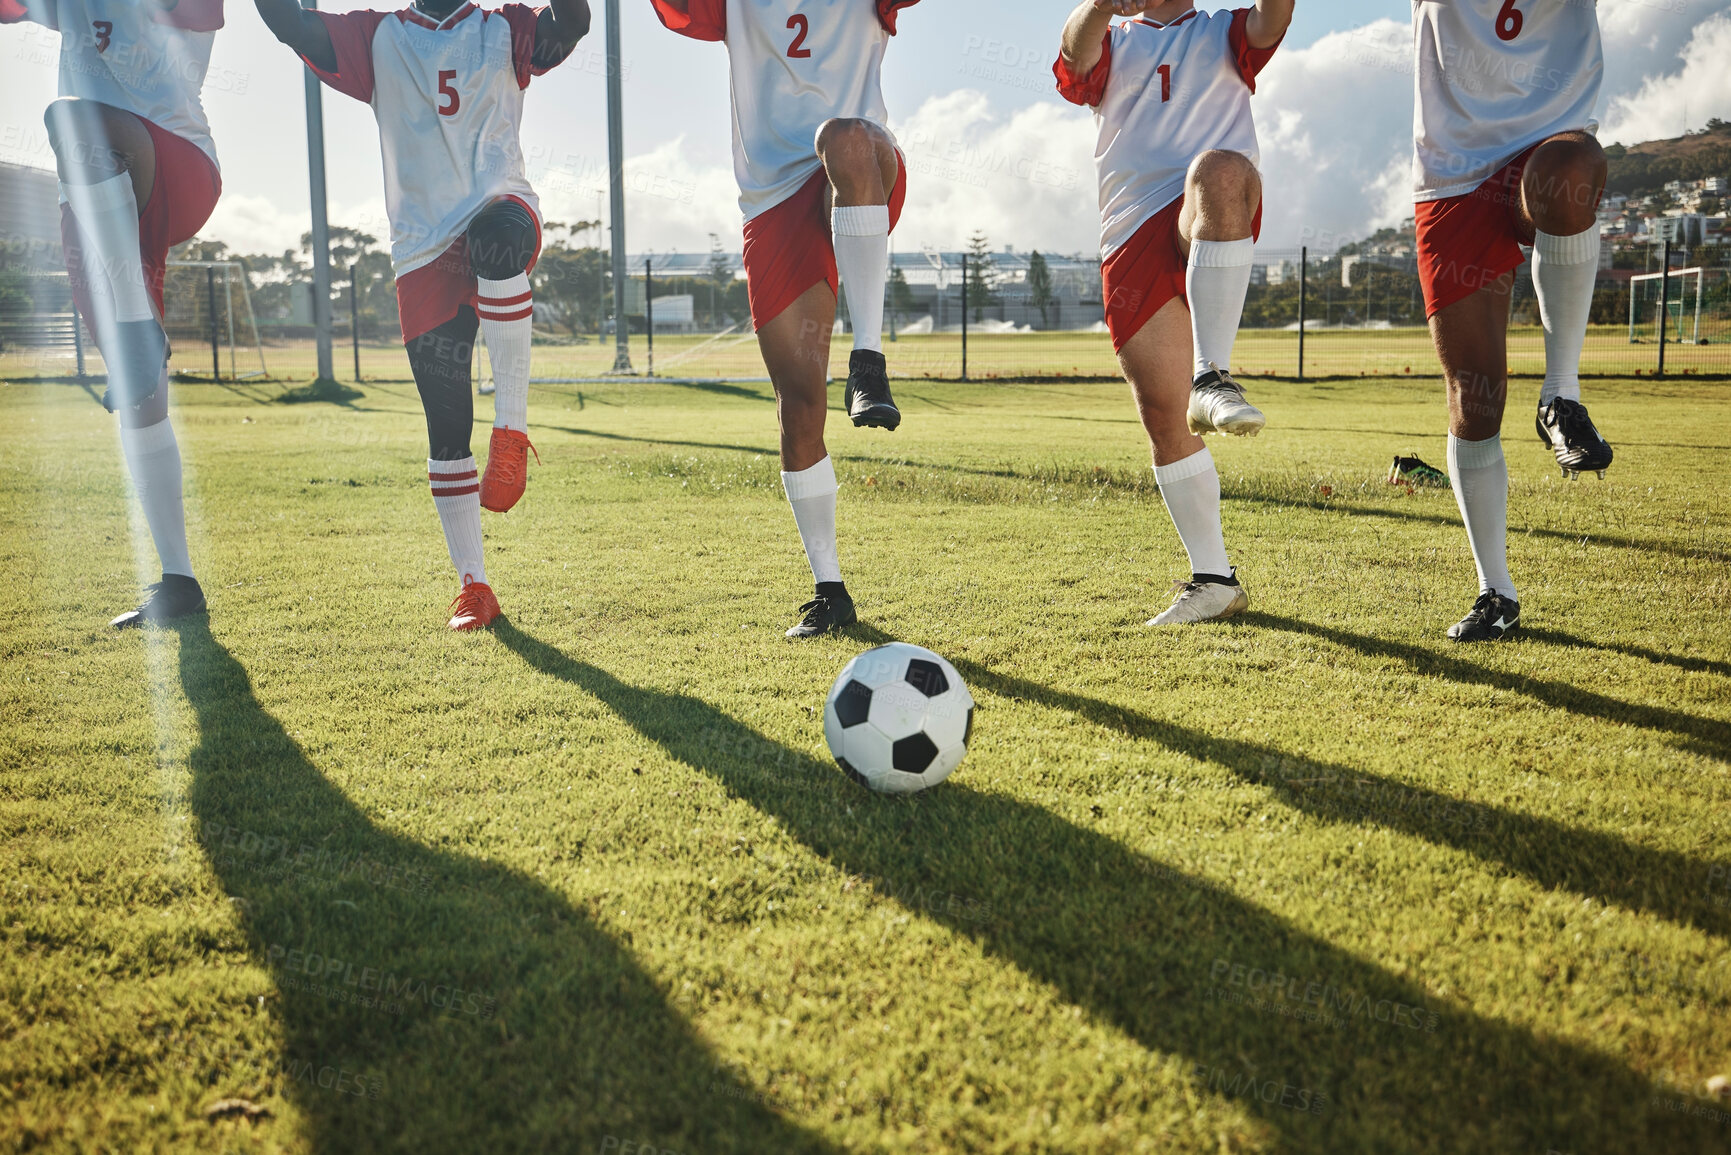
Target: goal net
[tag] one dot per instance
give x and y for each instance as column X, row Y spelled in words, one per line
column 1669, row 304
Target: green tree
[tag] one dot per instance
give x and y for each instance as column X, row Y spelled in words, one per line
column 572, row 280
column 901, row 296
column 1040, row 293
column 982, row 275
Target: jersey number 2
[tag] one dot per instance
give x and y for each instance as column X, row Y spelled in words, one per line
column 447, row 88
column 1165, row 71
column 1509, row 21
column 800, row 27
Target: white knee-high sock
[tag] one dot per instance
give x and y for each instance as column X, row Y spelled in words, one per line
column 153, row 460
column 811, row 492
column 457, row 497
column 862, row 257
column 1481, row 480
column 1215, row 280
column 1191, row 489
column 1564, row 270
column 507, row 311
column 107, row 215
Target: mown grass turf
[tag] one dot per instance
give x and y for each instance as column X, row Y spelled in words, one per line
column 1312, row 880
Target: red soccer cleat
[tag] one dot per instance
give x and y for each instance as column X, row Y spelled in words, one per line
column 474, row 608
column 507, row 469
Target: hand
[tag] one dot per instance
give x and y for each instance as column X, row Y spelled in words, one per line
column 1125, row 7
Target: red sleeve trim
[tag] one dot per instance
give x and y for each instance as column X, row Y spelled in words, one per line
column 192, row 15
column 523, row 21
column 887, row 10
column 352, row 41
column 1086, row 88
column 703, row 20
column 1249, row 60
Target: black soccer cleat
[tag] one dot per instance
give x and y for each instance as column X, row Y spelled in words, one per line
column 1564, row 426
column 135, row 370
column 1412, row 471
column 867, row 396
column 825, row 613
column 1493, row 616
column 175, row 596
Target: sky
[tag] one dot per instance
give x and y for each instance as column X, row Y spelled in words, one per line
column 990, row 145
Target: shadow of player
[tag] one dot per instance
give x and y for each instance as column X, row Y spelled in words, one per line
column 1168, row 958
column 456, row 1004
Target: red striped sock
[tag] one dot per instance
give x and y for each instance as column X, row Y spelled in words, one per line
column 507, row 310
column 457, row 497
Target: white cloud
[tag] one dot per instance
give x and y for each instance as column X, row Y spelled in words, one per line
column 1666, row 104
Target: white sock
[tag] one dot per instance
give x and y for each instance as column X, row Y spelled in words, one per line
column 1481, row 480
column 506, row 311
column 1216, row 280
column 107, row 215
column 1564, row 269
column 811, row 492
column 862, row 257
column 457, row 497
column 1191, row 489
column 153, row 459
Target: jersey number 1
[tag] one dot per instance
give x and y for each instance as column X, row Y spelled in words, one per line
column 800, row 27
column 447, row 88
column 1165, row 71
column 1509, row 21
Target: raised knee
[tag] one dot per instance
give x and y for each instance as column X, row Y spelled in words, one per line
column 1223, row 169
column 843, row 133
column 60, row 117
column 501, row 240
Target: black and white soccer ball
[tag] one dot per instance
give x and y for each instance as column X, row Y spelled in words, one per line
column 898, row 719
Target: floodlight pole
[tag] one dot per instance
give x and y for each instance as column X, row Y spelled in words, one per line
column 321, row 225
column 1303, row 276
column 616, row 182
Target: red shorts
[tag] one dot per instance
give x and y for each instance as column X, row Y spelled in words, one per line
column 432, row 294
column 788, row 248
column 182, row 196
column 1147, row 271
column 1467, row 242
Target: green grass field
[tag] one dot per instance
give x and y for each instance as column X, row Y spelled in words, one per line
column 1258, row 353
column 1311, row 880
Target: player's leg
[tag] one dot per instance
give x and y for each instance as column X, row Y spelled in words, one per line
column 860, row 159
column 1157, row 363
column 1221, row 194
column 107, row 167
column 795, row 345
column 1559, row 198
column 502, row 242
column 439, row 360
column 1471, row 341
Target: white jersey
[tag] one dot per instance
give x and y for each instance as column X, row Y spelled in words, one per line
column 134, row 55
column 1163, row 94
column 793, row 64
column 448, row 98
column 1494, row 77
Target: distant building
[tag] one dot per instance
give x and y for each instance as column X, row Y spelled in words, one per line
column 30, row 215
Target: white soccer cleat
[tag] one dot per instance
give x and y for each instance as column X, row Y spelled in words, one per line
column 1217, row 405
column 1202, row 602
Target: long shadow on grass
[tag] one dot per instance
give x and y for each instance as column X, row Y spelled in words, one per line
column 1705, row 736
column 1181, row 966
column 1659, row 657
column 455, row 1005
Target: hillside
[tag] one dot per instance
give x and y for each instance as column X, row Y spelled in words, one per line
column 1647, row 166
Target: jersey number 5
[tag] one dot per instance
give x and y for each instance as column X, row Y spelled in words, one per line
column 1509, row 21
column 104, row 34
column 449, row 89
column 1165, row 71
column 800, row 27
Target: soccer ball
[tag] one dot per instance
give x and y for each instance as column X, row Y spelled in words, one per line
column 898, row 719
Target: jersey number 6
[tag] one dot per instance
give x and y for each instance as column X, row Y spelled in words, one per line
column 800, row 27
column 447, row 88
column 1509, row 21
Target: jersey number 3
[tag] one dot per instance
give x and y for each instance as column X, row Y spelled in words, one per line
column 1509, row 21
column 104, row 34
column 800, row 26
column 449, row 90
